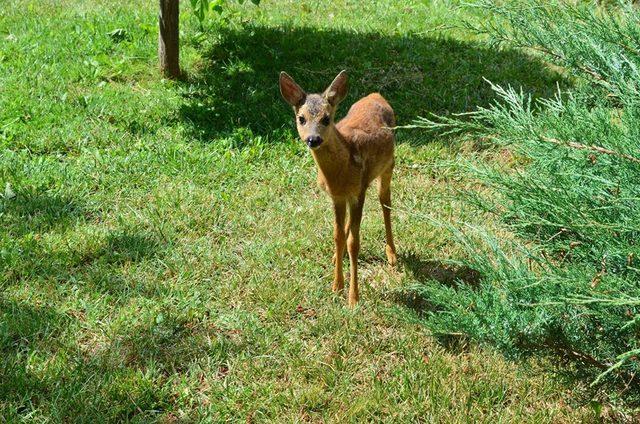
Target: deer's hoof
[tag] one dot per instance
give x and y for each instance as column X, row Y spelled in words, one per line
column 391, row 256
column 337, row 286
column 353, row 301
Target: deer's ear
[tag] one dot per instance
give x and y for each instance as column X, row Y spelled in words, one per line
column 337, row 91
column 292, row 93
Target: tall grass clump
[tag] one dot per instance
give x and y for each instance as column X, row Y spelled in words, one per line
column 568, row 284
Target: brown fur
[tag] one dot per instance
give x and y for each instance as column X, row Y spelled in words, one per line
column 353, row 153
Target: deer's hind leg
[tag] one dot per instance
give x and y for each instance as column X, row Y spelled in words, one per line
column 353, row 246
column 384, row 194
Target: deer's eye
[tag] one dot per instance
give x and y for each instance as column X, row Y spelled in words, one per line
column 325, row 120
column 302, row 120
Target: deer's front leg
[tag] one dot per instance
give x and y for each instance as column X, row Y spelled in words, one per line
column 339, row 209
column 353, row 246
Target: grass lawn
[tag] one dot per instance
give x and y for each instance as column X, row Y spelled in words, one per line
column 165, row 254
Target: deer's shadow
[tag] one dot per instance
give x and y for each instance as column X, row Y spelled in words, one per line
column 424, row 271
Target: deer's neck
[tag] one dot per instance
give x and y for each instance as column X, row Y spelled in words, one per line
column 333, row 158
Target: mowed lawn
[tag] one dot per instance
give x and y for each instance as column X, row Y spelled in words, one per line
column 165, row 254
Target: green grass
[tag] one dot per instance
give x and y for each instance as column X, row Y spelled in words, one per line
column 166, row 254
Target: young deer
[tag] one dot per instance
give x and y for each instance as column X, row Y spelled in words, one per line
column 349, row 155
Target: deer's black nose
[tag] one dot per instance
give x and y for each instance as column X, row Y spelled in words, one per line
column 314, row 141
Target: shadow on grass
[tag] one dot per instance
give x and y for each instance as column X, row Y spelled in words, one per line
column 447, row 274
column 23, row 325
column 38, row 250
column 21, row 328
column 95, row 266
column 41, row 365
column 237, row 84
column 38, row 212
column 235, row 92
column 424, row 272
column 47, row 370
column 47, row 356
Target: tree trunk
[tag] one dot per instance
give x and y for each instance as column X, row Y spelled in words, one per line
column 169, row 38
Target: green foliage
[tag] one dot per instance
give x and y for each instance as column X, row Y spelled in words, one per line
column 201, row 8
column 574, row 291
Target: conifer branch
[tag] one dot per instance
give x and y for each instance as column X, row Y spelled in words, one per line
column 592, row 148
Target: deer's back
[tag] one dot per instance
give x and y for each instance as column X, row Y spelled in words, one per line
column 366, row 128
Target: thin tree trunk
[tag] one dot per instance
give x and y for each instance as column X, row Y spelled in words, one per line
column 168, row 40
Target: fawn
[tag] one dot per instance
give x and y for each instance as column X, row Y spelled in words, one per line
column 349, row 155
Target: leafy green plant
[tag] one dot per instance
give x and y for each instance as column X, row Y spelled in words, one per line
column 201, row 8
column 570, row 283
